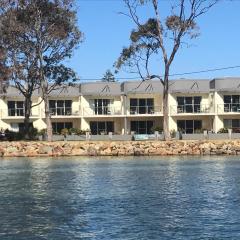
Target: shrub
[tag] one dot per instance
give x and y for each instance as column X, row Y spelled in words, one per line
column 73, row 131
column 223, row 130
column 157, row 128
column 33, row 133
column 173, row 133
column 64, row 132
column 200, row 130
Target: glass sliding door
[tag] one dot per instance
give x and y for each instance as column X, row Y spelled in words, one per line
column 102, row 127
column 15, row 108
column 60, row 107
column 142, row 127
column 189, row 126
column 58, row 126
column 197, row 104
column 141, row 106
column 11, row 108
column 189, row 104
column 231, row 103
column 133, row 106
column 102, row 106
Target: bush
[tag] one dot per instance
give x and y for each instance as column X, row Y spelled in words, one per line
column 13, row 136
column 73, row 131
column 64, row 132
column 157, row 128
column 42, row 132
column 173, row 133
column 33, row 133
column 223, row 130
column 198, row 131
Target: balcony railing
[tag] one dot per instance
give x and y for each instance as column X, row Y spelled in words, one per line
column 229, row 107
column 138, row 110
column 190, row 108
column 61, row 111
column 16, row 112
column 88, row 111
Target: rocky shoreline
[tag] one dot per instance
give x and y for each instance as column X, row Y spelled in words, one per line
column 119, row 148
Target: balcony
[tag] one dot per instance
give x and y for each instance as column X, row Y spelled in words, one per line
column 102, row 111
column 63, row 112
column 145, row 110
column 228, row 108
column 190, row 109
column 17, row 113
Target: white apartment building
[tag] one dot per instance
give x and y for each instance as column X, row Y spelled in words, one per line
column 133, row 106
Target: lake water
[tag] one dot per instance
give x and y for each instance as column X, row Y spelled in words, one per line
column 120, row 198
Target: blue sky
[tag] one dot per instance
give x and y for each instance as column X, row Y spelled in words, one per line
column 106, row 32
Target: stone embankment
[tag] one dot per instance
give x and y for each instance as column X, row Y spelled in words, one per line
column 135, row 148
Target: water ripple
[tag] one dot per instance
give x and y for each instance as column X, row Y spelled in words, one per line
column 129, row 198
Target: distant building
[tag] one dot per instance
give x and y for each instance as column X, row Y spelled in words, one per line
column 133, row 106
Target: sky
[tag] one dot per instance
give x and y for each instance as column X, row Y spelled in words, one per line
column 106, row 32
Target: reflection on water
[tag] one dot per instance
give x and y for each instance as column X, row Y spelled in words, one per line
column 129, row 198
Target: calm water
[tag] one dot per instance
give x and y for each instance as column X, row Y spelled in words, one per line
column 130, row 198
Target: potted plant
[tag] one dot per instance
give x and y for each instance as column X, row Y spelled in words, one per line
column 64, row 132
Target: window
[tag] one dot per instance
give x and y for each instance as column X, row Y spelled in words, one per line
column 60, row 107
column 141, row 105
column 101, row 127
column 102, row 106
column 189, row 104
column 189, row 126
column 58, row 126
column 19, row 127
column 142, row 127
column 15, row 108
column 231, row 103
column 233, row 124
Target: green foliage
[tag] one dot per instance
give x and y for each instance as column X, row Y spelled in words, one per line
column 157, row 128
column 173, row 133
column 13, row 136
column 223, row 130
column 147, row 30
column 108, row 77
column 42, row 132
column 33, row 133
column 198, row 130
column 64, row 132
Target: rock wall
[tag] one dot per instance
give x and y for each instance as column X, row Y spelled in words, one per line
column 126, row 148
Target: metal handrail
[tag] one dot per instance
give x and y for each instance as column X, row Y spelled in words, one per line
column 144, row 110
column 61, row 111
column 229, row 107
column 104, row 110
column 190, row 108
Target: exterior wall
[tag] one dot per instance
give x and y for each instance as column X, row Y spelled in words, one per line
column 87, row 104
column 117, row 123
column 206, row 101
column 158, row 121
column 207, row 121
column 157, row 101
column 211, row 121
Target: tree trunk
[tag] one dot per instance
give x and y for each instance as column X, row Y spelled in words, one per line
column 166, row 107
column 27, row 114
column 48, row 117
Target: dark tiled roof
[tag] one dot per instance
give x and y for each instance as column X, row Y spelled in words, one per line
column 143, row 87
column 101, row 88
column 226, row 84
column 189, row 86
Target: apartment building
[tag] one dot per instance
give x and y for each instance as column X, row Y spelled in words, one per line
column 132, row 106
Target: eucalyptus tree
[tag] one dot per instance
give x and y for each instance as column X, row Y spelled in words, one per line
column 42, row 34
column 161, row 36
column 108, row 76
